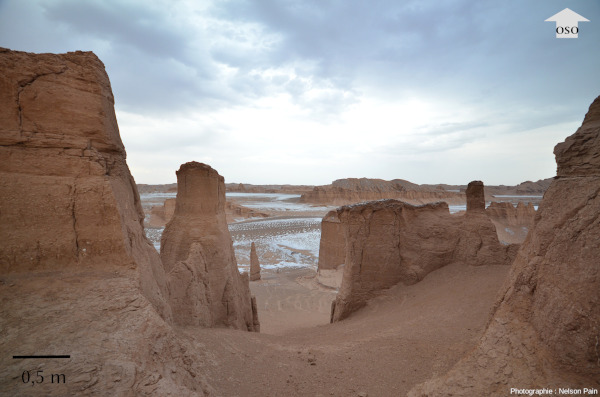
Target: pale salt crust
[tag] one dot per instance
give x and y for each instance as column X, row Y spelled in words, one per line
column 294, row 242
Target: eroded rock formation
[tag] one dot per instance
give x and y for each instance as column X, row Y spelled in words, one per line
column 475, row 196
column 332, row 247
column 546, row 325
column 389, row 241
column 205, row 286
column 254, row 264
column 355, row 190
column 77, row 275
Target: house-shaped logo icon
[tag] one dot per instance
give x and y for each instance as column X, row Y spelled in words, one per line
column 567, row 23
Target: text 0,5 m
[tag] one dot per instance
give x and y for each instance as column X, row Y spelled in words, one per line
column 38, row 377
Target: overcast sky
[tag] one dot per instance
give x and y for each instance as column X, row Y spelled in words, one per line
column 308, row 91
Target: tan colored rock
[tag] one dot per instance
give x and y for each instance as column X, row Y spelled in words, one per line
column 160, row 215
column 77, row 275
column 68, row 199
column 355, row 190
column 205, row 286
column 235, row 211
column 475, row 196
column 546, row 325
column 254, row 264
column 332, row 247
column 389, row 241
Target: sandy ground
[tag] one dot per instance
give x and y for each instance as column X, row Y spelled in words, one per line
column 403, row 337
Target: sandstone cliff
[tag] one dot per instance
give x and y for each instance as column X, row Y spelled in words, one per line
column 389, row 241
column 354, row 190
column 205, row 286
column 77, row 275
column 545, row 328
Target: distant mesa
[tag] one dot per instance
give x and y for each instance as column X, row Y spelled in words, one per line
column 354, row 190
column 205, row 286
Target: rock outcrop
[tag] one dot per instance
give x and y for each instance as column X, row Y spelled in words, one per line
column 475, row 196
column 389, row 241
column 205, row 286
column 332, row 247
column 160, row 215
column 355, row 190
column 254, row 264
column 77, row 275
column 545, row 329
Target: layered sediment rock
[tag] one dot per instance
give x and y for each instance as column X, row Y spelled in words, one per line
column 332, row 247
column 355, row 190
column 68, row 199
column 546, row 325
column 77, row 275
column 254, row 264
column 205, row 286
column 389, row 241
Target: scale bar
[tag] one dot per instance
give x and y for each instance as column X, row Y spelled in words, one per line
column 52, row 356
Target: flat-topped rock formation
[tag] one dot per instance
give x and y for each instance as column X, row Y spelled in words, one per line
column 544, row 330
column 77, row 274
column 354, row 190
column 389, row 241
column 205, row 286
column 254, row 264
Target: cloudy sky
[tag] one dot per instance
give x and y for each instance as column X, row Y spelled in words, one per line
column 308, row 91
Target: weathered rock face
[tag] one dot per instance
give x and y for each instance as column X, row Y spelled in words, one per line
column 475, row 196
column 355, row 190
column 546, row 326
column 205, row 286
column 390, row 241
column 68, row 199
column 76, row 270
column 254, row 264
column 332, row 247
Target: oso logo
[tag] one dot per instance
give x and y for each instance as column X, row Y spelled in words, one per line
column 567, row 23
